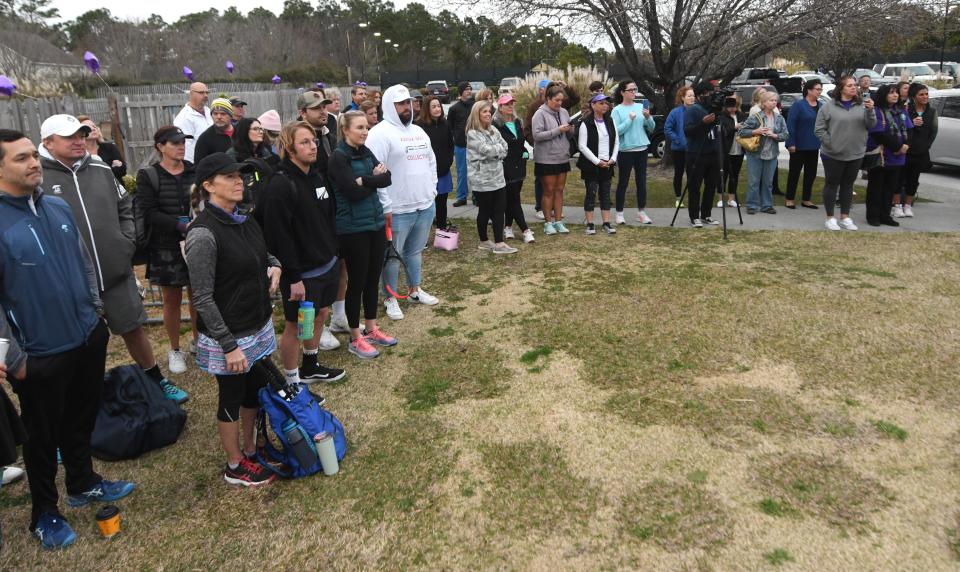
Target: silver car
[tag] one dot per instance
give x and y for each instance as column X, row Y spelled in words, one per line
column 946, row 147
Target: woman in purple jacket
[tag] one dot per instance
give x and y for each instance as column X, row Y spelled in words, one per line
column 889, row 139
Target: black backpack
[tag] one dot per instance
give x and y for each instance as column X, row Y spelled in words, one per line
column 134, row 417
column 141, row 253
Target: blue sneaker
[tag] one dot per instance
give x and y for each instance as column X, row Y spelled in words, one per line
column 59, row 458
column 104, row 491
column 173, row 393
column 53, row 532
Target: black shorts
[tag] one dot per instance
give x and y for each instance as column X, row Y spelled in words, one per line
column 322, row 291
column 545, row 170
column 166, row 267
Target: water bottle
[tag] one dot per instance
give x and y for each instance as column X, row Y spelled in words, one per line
column 327, row 452
column 302, row 449
column 305, row 318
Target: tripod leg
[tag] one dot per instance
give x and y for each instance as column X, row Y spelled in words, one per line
column 680, row 202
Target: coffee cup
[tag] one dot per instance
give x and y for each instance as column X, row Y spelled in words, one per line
column 108, row 519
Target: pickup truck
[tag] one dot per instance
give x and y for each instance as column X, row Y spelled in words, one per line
column 757, row 76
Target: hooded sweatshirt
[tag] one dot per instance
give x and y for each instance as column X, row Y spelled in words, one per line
column 842, row 129
column 405, row 149
column 103, row 210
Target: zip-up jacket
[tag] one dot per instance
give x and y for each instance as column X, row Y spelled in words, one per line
column 212, row 141
column 515, row 163
column 701, row 139
column 921, row 138
column 103, row 210
column 800, row 123
column 486, row 151
column 47, row 285
column 299, row 220
column 673, row 127
column 457, row 121
column 163, row 207
column 358, row 206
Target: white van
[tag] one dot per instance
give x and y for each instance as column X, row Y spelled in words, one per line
column 508, row 84
column 946, row 147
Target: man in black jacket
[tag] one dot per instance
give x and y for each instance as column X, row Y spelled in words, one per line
column 457, row 120
column 218, row 138
column 703, row 165
column 299, row 227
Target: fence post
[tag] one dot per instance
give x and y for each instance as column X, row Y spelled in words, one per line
column 116, row 128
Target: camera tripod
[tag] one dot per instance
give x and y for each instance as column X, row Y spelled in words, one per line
column 716, row 131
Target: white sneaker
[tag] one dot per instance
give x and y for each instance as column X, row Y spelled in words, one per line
column 422, row 297
column 503, row 248
column 339, row 325
column 11, row 475
column 696, row 223
column 507, row 232
column 908, row 211
column 328, row 341
column 897, row 211
column 847, row 223
column 176, row 363
column 619, row 219
column 486, row 245
column 831, row 224
column 393, row 309
column 732, row 204
column 539, row 215
column 720, row 204
column 528, row 236
column 643, row 218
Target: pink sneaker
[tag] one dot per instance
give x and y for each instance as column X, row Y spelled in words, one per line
column 377, row 337
column 361, row 348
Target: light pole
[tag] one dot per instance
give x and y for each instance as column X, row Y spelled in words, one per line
column 363, row 54
column 943, row 42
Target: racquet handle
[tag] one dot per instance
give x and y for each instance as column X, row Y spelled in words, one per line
column 389, row 233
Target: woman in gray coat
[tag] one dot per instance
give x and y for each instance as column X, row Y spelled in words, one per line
column 486, row 150
column 552, row 133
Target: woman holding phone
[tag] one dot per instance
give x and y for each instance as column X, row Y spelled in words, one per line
column 552, row 133
column 634, row 124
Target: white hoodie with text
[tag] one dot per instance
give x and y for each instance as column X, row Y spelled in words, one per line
column 406, row 152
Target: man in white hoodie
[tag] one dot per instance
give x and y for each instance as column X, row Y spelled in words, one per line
column 404, row 148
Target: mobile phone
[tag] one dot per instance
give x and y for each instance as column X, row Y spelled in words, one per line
column 867, row 95
column 645, row 103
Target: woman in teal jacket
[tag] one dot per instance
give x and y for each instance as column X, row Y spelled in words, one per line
column 356, row 175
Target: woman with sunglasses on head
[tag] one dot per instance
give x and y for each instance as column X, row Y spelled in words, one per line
column 514, row 165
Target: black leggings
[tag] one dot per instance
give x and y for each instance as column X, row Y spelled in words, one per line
column 916, row 164
column 492, row 205
column 637, row 161
column 805, row 160
column 839, row 177
column 679, row 165
column 514, row 212
column 441, row 216
column 731, row 170
column 362, row 252
column 243, row 390
column 881, row 186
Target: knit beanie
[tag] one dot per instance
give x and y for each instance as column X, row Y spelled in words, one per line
column 222, row 104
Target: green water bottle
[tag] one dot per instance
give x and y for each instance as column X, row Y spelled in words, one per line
column 305, row 317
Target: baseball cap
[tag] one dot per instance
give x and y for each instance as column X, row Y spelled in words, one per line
column 170, row 134
column 600, row 97
column 237, row 102
column 400, row 94
column 505, row 99
column 311, row 100
column 219, row 164
column 61, row 124
column 543, row 83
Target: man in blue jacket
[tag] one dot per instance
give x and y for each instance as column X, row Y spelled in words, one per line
column 50, row 294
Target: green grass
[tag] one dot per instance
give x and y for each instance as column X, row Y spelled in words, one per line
column 675, row 517
column 890, row 430
column 533, row 355
column 777, row 557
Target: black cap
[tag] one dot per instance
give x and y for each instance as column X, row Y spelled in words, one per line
column 235, row 101
column 170, row 134
column 703, row 87
column 219, row 164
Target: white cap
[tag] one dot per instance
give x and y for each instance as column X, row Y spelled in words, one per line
column 400, row 93
column 63, row 125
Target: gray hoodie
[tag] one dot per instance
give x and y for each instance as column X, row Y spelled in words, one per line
column 550, row 145
column 103, row 209
column 843, row 132
column 485, row 153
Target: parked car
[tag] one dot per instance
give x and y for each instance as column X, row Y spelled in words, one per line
column 477, row 86
column 757, row 76
column 508, row 84
column 951, row 69
column 912, row 72
column 876, row 80
column 946, row 147
column 438, row 88
column 828, row 84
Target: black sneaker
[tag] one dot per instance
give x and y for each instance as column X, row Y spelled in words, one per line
column 459, row 202
column 312, row 372
column 609, row 229
column 248, row 474
column 591, row 229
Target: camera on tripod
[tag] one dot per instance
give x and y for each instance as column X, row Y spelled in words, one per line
column 718, row 99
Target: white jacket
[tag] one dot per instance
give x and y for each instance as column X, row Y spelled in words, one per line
column 192, row 122
column 406, row 152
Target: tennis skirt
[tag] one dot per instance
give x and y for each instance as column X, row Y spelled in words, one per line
column 545, row 170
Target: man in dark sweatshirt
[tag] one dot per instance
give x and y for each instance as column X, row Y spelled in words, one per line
column 299, row 227
column 457, row 120
column 50, row 295
column 218, row 138
column 703, row 166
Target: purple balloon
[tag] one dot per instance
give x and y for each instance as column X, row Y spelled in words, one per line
column 230, row 67
column 6, row 86
column 188, row 72
column 93, row 64
column 321, row 85
column 276, row 80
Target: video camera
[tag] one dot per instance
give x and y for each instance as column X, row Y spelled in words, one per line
column 718, row 99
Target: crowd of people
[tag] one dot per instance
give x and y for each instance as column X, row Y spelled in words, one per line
column 236, row 209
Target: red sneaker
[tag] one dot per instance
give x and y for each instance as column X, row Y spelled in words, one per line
column 248, row 474
column 377, row 337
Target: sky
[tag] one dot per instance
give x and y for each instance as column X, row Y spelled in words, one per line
column 170, row 10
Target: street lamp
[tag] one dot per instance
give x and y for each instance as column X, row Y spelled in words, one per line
column 376, row 34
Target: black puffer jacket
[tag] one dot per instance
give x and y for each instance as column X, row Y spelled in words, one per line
column 514, row 164
column 441, row 139
column 921, row 138
column 162, row 207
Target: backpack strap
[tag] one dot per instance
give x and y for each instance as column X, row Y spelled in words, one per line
column 273, row 454
column 154, row 177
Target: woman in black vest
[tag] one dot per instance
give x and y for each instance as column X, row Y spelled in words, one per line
column 232, row 278
column 598, row 144
column 514, row 165
column 163, row 197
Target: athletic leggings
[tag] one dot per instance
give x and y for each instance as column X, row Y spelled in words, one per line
column 916, row 164
column 637, row 161
column 805, row 160
column 881, row 186
column 679, row 165
column 441, row 216
column 242, row 390
column 492, row 205
column 514, row 212
column 731, row 171
column 839, row 176
column 362, row 252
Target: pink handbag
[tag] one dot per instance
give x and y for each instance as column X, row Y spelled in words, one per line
column 446, row 239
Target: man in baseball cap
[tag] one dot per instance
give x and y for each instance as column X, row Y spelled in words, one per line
column 239, row 109
column 63, row 125
column 312, row 106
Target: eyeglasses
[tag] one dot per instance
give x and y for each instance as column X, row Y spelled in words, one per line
column 631, row 90
column 201, row 92
column 257, row 129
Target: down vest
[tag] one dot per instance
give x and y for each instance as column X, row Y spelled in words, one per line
column 162, row 207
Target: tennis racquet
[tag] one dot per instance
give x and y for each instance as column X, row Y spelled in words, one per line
column 392, row 254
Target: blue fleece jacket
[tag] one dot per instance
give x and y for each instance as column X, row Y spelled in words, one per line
column 800, row 123
column 47, row 285
column 673, row 128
